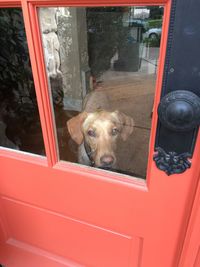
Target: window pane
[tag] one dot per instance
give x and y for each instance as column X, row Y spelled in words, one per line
column 19, row 118
column 102, row 65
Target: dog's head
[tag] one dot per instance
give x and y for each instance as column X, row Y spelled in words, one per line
column 100, row 131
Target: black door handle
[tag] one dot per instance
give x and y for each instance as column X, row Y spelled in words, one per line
column 179, row 120
column 180, row 111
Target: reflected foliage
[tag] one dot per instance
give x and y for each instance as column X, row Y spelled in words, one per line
column 15, row 71
column 104, row 23
column 18, row 107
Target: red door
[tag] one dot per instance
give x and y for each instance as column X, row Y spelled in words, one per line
column 57, row 213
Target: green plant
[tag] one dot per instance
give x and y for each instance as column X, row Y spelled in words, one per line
column 155, row 42
column 18, row 107
column 155, row 23
column 15, row 70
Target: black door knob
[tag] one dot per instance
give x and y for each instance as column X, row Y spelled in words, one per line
column 180, row 111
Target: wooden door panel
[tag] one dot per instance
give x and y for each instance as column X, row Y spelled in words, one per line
column 93, row 221
column 74, row 193
column 68, row 238
column 17, row 254
column 35, row 224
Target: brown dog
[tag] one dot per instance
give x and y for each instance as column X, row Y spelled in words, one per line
column 97, row 133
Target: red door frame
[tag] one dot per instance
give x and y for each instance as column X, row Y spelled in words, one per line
column 152, row 185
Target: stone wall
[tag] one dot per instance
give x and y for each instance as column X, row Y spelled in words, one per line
column 64, row 34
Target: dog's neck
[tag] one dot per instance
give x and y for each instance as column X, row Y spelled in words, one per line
column 84, row 157
column 88, row 152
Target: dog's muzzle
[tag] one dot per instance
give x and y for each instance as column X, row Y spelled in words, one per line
column 106, row 161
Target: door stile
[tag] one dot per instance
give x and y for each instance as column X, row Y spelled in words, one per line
column 190, row 207
column 40, row 80
column 191, row 253
column 158, row 87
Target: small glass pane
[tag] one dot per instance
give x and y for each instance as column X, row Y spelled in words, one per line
column 19, row 118
column 102, row 65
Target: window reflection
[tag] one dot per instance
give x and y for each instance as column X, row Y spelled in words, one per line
column 19, row 119
column 103, row 60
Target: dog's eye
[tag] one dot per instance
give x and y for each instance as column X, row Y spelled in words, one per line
column 91, row 133
column 115, row 131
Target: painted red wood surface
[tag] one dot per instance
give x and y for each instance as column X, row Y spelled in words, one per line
column 191, row 250
column 60, row 214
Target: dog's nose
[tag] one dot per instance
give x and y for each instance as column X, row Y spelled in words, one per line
column 107, row 160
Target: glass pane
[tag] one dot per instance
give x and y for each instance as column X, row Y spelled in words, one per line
column 19, row 119
column 102, row 65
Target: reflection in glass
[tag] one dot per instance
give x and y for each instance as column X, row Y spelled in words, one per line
column 19, row 119
column 103, row 60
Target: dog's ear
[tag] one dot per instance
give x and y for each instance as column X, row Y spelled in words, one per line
column 74, row 127
column 127, row 124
